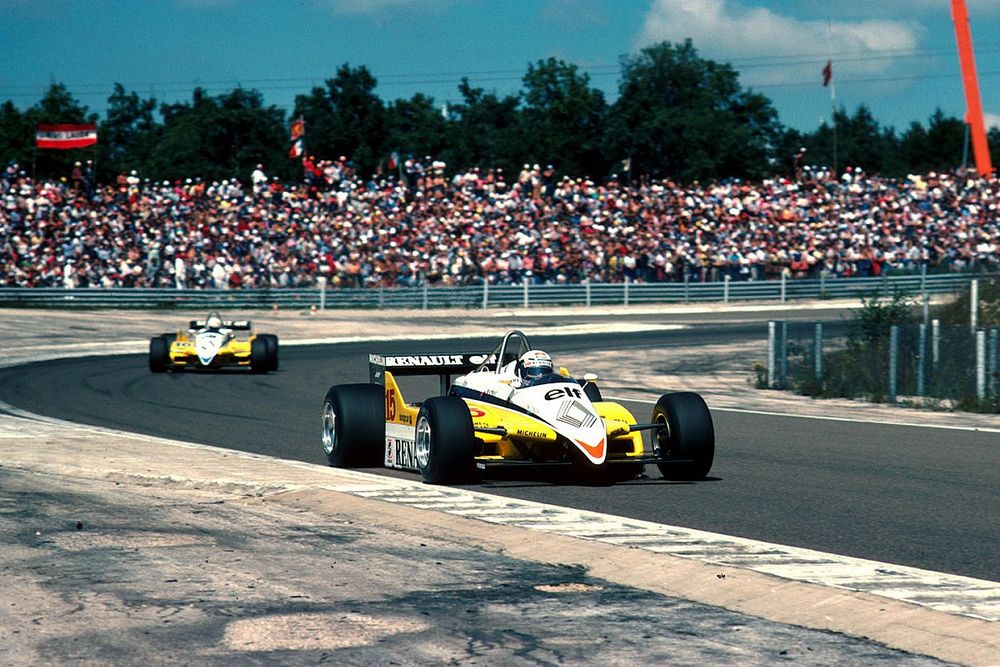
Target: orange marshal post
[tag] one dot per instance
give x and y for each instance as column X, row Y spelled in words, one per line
column 973, row 104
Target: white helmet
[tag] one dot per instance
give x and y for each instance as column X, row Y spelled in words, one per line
column 214, row 322
column 533, row 364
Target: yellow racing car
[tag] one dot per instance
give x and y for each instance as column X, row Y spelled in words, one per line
column 214, row 343
column 508, row 408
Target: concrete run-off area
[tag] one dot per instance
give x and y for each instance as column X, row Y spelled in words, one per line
column 129, row 549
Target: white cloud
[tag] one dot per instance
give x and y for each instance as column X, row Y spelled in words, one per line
column 992, row 120
column 727, row 30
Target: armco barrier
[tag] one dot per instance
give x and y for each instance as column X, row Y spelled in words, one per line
column 478, row 296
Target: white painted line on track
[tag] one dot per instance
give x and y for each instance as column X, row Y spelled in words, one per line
column 851, row 420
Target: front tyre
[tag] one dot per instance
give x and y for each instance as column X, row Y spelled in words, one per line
column 260, row 359
column 159, row 353
column 354, row 425
column 272, row 350
column 688, row 436
column 444, row 441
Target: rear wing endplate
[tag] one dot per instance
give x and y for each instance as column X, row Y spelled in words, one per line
column 442, row 365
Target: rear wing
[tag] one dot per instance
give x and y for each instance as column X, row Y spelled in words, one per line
column 442, row 365
column 243, row 325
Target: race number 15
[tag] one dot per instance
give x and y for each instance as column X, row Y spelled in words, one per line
column 390, row 404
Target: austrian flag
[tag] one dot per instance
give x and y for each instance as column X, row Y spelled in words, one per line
column 63, row 136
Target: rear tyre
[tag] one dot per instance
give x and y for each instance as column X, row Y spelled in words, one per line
column 689, row 435
column 444, row 441
column 260, row 360
column 159, row 353
column 354, row 425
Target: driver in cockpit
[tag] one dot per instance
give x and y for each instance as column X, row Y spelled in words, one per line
column 532, row 365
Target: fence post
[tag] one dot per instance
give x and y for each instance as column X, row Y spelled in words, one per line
column 586, row 287
column 687, row 281
column 893, row 359
column 935, row 342
column 525, row 299
column 923, row 279
column 425, row 296
column 486, row 293
column 973, row 303
column 818, row 351
column 322, row 292
column 921, row 357
column 783, row 356
column 782, row 287
column 927, row 307
column 626, row 291
column 772, row 350
column 381, row 297
column 994, row 381
column 822, row 284
column 725, row 289
column 981, row 365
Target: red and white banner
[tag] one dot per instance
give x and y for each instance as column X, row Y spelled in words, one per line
column 64, row 135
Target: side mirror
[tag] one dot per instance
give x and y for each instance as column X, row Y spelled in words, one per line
column 590, row 377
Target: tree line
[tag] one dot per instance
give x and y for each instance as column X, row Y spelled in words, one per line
column 677, row 115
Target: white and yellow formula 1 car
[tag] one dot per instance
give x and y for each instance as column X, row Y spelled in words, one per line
column 213, row 343
column 508, row 408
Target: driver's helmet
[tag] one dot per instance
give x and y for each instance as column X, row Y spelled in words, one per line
column 533, row 364
column 214, row 322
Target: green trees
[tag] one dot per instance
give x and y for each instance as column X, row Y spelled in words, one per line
column 682, row 116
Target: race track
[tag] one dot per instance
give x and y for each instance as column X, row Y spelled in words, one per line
column 915, row 496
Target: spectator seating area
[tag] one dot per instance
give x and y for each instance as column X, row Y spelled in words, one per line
column 428, row 227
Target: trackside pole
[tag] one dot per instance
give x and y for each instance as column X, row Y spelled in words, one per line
column 783, row 356
column 973, row 304
column 893, row 360
column 586, row 289
column 782, row 287
column 322, row 293
column 486, row 293
column 818, row 351
column 626, row 290
column 772, row 348
column 525, row 299
column 935, row 342
column 994, row 380
column 981, row 365
column 921, row 358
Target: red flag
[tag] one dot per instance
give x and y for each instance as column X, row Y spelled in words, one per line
column 827, row 73
column 65, row 135
column 297, row 149
column 298, row 128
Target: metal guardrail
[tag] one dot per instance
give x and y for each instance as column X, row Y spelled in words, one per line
column 480, row 296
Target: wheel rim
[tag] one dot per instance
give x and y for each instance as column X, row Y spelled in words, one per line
column 329, row 428
column 662, row 434
column 423, row 441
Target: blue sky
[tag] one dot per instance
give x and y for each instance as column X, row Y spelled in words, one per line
column 896, row 56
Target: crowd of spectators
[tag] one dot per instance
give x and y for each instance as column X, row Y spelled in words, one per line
column 424, row 225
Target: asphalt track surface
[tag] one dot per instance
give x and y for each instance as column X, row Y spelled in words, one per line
column 914, row 496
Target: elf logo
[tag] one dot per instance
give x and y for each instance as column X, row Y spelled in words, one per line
column 563, row 392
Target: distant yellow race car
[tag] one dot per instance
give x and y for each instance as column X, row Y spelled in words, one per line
column 213, row 343
column 508, row 408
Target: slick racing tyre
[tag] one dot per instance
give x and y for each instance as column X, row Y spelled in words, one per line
column 444, row 440
column 272, row 350
column 159, row 353
column 688, row 436
column 354, row 425
column 260, row 358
